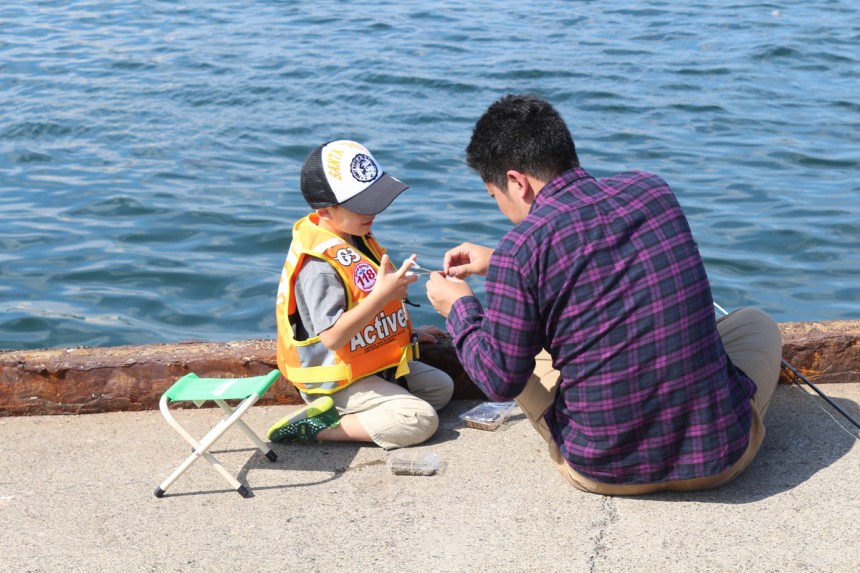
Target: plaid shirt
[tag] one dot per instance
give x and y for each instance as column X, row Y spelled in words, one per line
column 605, row 275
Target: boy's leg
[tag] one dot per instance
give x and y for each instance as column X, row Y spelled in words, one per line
column 430, row 384
column 391, row 416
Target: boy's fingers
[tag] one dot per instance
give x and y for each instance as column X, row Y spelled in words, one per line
column 404, row 268
column 430, row 329
column 384, row 264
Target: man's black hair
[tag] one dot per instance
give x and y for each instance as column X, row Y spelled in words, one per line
column 521, row 132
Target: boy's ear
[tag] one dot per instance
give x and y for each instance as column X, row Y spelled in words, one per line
column 324, row 213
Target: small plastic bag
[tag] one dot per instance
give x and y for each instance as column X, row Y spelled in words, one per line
column 488, row 415
column 413, row 462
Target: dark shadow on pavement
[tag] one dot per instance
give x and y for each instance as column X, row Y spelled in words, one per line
column 330, row 459
column 333, row 459
column 801, row 441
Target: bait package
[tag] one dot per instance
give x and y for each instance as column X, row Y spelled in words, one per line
column 489, row 415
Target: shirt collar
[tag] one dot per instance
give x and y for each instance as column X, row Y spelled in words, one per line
column 556, row 184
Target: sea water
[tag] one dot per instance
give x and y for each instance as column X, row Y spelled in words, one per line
column 150, row 150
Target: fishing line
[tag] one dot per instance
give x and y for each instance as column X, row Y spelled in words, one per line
column 795, row 375
column 416, row 269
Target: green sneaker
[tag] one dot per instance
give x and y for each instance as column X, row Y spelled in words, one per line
column 303, row 425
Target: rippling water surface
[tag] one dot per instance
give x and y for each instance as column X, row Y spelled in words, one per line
column 150, row 150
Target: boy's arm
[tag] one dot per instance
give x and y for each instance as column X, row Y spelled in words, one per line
column 390, row 285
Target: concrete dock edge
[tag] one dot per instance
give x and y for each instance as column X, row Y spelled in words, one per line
column 132, row 378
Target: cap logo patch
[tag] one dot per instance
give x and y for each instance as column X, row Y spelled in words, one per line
column 363, row 168
column 364, row 276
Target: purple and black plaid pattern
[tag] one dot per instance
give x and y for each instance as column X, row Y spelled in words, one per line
column 606, row 276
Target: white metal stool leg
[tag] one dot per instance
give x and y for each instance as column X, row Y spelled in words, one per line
column 202, row 448
column 261, row 445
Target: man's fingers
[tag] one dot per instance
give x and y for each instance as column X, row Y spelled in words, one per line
column 459, row 272
column 434, row 330
column 454, row 257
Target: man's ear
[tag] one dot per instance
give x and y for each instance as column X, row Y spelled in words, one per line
column 520, row 186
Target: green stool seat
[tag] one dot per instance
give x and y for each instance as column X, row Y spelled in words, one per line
column 192, row 388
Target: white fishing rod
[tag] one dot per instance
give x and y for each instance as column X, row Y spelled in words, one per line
column 792, row 371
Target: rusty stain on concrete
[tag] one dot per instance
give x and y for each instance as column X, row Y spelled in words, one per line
column 824, row 352
column 126, row 378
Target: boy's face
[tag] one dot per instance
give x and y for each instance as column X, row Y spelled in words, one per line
column 343, row 222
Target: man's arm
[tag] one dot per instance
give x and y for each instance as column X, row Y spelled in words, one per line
column 497, row 346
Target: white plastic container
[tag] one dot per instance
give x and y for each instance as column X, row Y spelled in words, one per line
column 413, row 462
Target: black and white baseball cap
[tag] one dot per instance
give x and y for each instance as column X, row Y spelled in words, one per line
column 344, row 173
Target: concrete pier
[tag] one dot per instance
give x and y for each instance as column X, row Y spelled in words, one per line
column 82, row 450
column 132, row 378
column 76, row 494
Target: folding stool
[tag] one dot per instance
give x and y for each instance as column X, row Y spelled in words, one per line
column 191, row 388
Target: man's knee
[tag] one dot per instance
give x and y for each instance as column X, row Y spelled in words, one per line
column 753, row 342
column 751, row 330
column 768, row 329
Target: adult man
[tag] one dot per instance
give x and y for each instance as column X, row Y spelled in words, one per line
column 633, row 387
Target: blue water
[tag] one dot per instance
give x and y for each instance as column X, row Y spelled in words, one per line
column 150, row 150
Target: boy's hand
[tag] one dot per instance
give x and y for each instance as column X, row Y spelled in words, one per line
column 467, row 259
column 430, row 333
column 391, row 284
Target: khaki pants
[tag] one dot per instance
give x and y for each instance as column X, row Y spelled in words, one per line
column 393, row 416
column 753, row 342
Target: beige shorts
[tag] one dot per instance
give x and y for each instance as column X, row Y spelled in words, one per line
column 394, row 416
column 753, row 342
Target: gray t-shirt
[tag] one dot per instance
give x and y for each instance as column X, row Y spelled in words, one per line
column 320, row 296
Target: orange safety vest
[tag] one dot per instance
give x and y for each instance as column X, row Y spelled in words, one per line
column 385, row 341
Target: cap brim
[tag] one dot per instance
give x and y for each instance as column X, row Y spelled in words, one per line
column 377, row 197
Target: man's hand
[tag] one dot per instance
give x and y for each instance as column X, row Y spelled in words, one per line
column 443, row 291
column 467, row 259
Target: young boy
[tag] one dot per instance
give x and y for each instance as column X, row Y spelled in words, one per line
column 344, row 335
